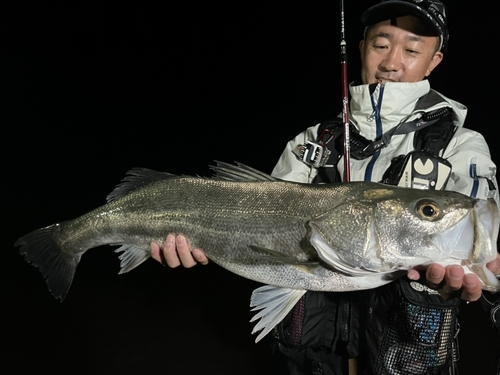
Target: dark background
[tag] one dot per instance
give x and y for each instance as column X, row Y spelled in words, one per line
column 91, row 89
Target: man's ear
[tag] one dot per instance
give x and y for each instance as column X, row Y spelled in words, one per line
column 362, row 48
column 436, row 59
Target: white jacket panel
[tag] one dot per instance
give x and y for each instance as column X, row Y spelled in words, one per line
column 396, row 103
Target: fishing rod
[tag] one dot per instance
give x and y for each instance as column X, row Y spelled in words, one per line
column 316, row 153
column 345, row 97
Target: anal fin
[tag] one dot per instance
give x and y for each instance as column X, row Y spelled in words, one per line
column 131, row 257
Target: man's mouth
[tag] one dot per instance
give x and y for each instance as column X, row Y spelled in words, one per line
column 383, row 80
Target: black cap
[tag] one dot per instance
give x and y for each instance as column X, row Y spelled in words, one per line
column 433, row 11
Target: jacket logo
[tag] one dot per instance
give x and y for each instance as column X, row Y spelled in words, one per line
column 421, row 288
column 424, row 168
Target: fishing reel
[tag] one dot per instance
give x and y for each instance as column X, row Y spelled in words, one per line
column 325, row 151
column 318, row 153
column 314, row 153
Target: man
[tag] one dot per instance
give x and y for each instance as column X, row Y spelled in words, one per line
column 403, row 327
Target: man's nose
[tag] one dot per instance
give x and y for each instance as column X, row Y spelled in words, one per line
column 393, row 60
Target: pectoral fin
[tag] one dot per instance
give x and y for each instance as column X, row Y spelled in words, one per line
column 276, row 256
column 274, row 304
column 330, row 256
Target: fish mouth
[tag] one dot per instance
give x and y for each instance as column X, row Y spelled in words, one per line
column 487, row 221
column 473, row 246
column 487, row 228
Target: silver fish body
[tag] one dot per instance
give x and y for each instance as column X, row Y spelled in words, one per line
column 293, row 237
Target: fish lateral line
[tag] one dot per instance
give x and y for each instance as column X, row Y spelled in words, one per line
column 263, row 253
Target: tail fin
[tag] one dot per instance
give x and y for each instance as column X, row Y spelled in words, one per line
column 57, row 267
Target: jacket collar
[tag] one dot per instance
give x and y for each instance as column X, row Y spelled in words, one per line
column 396, row 102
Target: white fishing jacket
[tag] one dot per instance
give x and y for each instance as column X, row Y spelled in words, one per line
column 389, row 105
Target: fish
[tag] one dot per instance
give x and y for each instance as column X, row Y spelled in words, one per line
column 292, row 237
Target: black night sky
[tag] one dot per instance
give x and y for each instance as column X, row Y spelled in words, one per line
column 91, row 89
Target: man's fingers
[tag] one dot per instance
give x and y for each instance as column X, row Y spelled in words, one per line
column 435, row 275
column 452, row 283
column 184, row 253
column 169, row 254
column 471, row 288
column 414, row 273
column 155, row 251
column 494, row 265
column 454, row 276
column 176, row 251
column 200, row 256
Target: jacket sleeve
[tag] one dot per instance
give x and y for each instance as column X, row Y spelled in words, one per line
column 473, row 171
column 289, row 166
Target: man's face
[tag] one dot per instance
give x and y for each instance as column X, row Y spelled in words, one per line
column 396, row 50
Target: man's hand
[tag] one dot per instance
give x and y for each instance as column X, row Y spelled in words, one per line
column 175, row 251
column 451, row 281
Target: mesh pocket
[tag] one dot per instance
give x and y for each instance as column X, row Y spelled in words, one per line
column 419, row 340
column 292, row 325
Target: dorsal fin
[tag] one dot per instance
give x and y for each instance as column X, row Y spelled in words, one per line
column 239, row 172
column 138, row 177
column 134, row 179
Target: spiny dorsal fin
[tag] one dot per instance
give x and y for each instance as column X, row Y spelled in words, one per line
column 136, row 178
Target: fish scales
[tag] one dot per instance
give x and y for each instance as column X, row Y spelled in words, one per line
column 238, row 215
column 234, row 221
column 290, row 236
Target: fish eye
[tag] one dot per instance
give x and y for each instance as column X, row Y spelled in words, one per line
column 428, row 210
